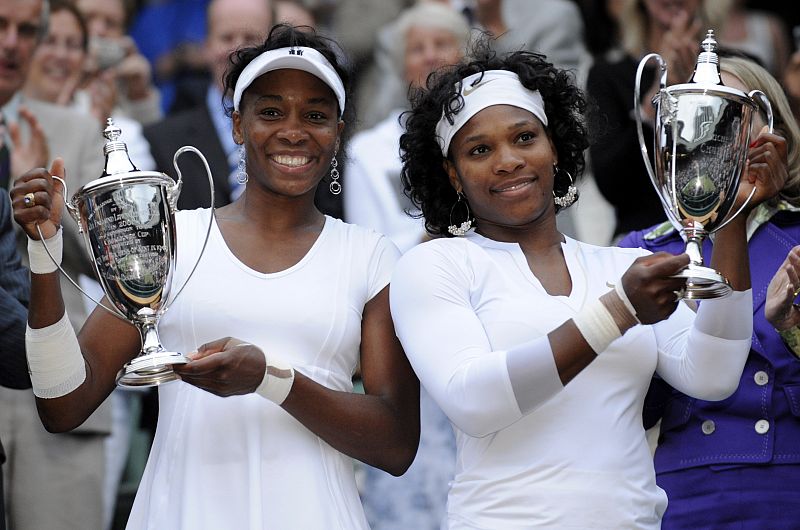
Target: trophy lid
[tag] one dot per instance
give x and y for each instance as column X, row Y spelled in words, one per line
column 116, row 152
column 706, row 71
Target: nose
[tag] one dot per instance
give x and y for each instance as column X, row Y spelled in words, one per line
column 9, row 36
column 507, row 160
column 293, row 132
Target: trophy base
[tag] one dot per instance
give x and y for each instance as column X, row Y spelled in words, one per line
column 150, row 370
column 704, row 283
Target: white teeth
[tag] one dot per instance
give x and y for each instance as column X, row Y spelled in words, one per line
column 291, row 161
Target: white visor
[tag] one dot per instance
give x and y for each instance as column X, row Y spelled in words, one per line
column 294, row 58
column 504, row 88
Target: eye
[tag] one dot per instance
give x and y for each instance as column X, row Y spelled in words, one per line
column 479, row 150
column 269, row 113
column 317, row 116
column 526, row 137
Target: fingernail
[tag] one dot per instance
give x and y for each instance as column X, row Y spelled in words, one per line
column 192, row 355
column 753, row 143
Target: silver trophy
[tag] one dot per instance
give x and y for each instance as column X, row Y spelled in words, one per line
column 702, row 134
column 127, row 218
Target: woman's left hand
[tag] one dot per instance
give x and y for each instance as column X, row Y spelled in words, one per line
column 225, row 367
column 766, row 169
column 779, row 308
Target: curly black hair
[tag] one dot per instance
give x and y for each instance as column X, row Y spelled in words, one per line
column 284, row 36
column 424, row 177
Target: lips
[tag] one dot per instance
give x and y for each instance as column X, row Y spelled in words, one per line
column 513, row 185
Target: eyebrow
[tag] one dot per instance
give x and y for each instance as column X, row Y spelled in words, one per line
column 478, row 137
column 311, row 101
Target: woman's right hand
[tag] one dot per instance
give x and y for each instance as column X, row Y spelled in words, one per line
column 779, row 308
column 650, row 286
column 48, row 195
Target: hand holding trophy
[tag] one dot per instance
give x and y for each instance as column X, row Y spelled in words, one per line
column 702, row 132
column 127, row 218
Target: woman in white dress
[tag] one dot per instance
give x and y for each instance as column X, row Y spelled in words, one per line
column 540, row 348
column 306, row 297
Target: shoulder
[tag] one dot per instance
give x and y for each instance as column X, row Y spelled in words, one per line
column 359, row 239
column 615, row 256
column 451, row 253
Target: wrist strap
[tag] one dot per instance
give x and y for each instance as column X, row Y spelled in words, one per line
column 39, row 261
column 55, row 360
column 597, row 326
column 278, row 379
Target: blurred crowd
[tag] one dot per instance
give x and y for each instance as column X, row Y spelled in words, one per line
column 156, row 69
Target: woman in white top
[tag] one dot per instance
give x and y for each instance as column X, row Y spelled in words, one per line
column 307, row 298
column 540, row 348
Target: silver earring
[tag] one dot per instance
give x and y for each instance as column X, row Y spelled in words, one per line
column 241, row 167
column 335, row 187
column 464, row 227
column 569, row 198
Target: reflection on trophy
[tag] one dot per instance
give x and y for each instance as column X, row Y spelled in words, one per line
column 127, row 218
column 702, row 133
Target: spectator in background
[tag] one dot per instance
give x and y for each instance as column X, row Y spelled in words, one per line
column 293, row 12
column 673, row 29
column 425, row 37
column 122, row 80
column 231, row 25
column 43, row 469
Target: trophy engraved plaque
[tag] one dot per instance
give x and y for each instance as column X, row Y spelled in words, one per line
column 127, row 218
column 702, row 134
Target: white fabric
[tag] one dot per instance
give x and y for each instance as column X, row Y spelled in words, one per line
column 294, row 58
column 54, row 357
column 578, row 459
column 624, row 297
column 506, row 89
column 39, row 261
column 373, row 196
column 243, row 462
column 278, row 379
column 597, row 325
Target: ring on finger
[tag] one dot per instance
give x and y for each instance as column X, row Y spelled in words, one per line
column 29, row 199
column 679, row 294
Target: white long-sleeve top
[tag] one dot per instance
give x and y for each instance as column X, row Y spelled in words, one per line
column 473, row 320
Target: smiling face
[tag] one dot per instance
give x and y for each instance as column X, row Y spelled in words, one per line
column 58, row 61
column 289, row 125
column 662, row 12
column 19, row 30
column 503, row 163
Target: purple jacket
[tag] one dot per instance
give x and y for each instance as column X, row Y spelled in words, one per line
column 760, row 422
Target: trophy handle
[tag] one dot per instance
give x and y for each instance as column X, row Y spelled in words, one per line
column 73, row 211
column 172, row 197
column 637, row 107
column 763, row 101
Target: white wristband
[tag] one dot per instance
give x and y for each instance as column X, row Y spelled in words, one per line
column 278, row 379
column 624, row 297
column 597, row 326
column 55, row 361
column 40, row 261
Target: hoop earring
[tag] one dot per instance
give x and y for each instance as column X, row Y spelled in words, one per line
column 335, row 187
column 464, row 227
column 569, row 198
column 241, row 167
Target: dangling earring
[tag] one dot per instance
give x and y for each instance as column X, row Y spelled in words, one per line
column 569, row 198
column 461, row 229
column 241, row 167
column 335, row 187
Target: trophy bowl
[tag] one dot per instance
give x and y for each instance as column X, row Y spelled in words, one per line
column 127, row 218
column 701, row 139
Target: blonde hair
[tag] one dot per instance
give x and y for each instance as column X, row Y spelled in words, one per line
column 753, row 77
column 633, row 23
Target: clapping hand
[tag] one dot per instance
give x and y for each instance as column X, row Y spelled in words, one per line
column 651, row 286
column 780, row 310
column 225, row 367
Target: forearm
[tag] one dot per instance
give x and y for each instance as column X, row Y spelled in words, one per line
column 730, row 256
column 374, row 429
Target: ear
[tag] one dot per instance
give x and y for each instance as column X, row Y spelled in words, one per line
column 238, row 135
column 452, row 175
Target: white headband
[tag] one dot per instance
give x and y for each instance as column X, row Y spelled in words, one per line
column 506, row 89
column 295, row 58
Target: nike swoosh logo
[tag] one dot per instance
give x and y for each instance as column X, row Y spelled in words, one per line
column 470, row 89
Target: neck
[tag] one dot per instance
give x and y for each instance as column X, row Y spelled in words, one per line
column 533, row 237
column 272, row 213
column 34, row 93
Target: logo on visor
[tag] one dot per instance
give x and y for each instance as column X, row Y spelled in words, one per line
column 470, row 89
column 292, row 51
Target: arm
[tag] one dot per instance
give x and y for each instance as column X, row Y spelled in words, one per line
column 105, row 342
column 483, row 390
column 380, row 428
column 14, row 293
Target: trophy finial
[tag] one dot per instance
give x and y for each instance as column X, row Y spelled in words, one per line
column 117, row 159
column 707, row 69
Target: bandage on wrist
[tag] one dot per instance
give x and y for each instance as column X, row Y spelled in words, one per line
column 55, row 361
column 624, row 297
column 597, row 324
column 40, row 261
column 278, row 379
